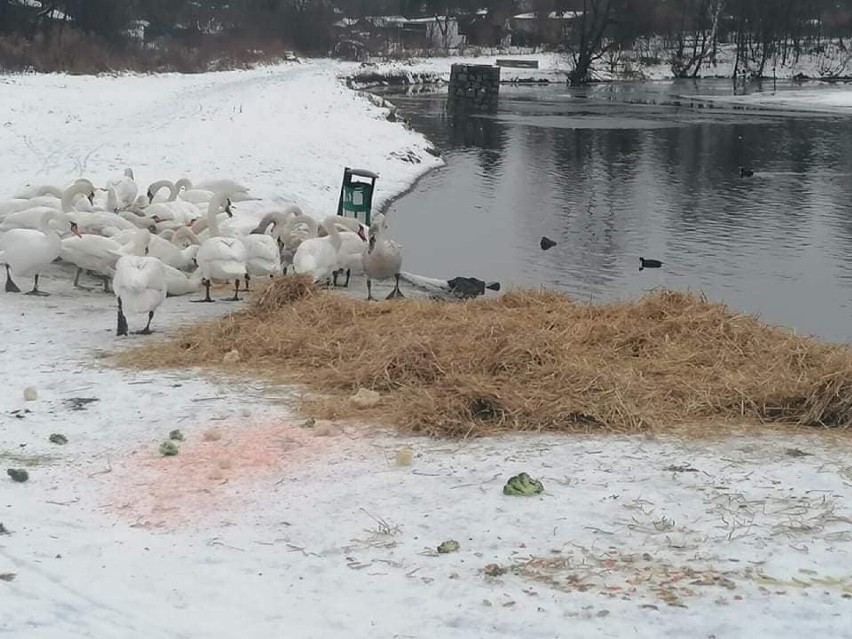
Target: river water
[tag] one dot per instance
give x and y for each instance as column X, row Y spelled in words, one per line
column 615, row 172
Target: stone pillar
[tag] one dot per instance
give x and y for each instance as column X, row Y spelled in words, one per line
column 473, row 88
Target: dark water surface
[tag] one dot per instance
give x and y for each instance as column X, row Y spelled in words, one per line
column 616, row 172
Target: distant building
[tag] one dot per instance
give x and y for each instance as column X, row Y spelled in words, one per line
column 393, row 33
column 542, row 28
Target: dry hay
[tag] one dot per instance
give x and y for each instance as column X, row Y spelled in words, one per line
column 526, row 361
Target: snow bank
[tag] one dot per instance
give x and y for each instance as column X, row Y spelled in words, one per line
column 553, row 67
column 827, row 99
column 287, row 132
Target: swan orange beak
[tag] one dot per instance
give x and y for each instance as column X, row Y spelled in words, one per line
column 75, row 230
column 361, row 233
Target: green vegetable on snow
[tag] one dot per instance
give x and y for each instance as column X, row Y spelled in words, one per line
column 522, row 484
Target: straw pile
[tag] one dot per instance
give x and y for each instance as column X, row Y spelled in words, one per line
column 525, row 361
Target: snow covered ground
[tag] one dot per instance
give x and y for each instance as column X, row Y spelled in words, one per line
column 263, row 526
column 285, row 131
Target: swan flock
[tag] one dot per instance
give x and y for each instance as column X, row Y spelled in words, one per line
column 172, row 239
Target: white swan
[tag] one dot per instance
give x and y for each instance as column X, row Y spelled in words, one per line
column 221, row 258
column 236, row 191
column 319, row 255
column 30, row 218
column 46, row 195
column 382, row 259
column 262, row 256
column 350, row 254
column 171, row 209
column 108, row 222
column 287, row 234
column 168, row 251
column 92, row 253
column 181, row 283
column 125, row 189
column 191, row 194
column 26, row 252
column 201, row 226
column 139, row 284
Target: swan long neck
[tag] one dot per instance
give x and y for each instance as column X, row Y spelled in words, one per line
column 185, row 232
column 112, row 199
column 50, row 190
column 217, row 202
column 159, row 184
column 376, row 235
column 265, row 221
column 140, row 241
column 281, row 219
column 330, row 223
column 68, row 196
column 48, row 217
column 184, row 183
column 285, row 230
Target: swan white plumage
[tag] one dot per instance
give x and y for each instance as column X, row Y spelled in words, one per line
column 287, row 234
column 318, row 256
column 168, row 251
column 125, row 189
column 92, row 253
column 43, row 196
column 383, row 258
column 218, row 257
column 106, row 221
column 262, row 256
column 139, row 284
column 30, row 218
column 350, row 254
column 191, row 194
column 236, row 191
column 172, row 208
column 26, row 252
column 181, row 283
column 46, row 195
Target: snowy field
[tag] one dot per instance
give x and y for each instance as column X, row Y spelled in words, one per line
column 286, row 131
column 264, row 527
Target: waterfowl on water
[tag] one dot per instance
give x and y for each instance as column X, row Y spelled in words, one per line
column 546, row 243
column 643, row 263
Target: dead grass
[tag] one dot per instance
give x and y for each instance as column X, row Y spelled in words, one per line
column 525, row 361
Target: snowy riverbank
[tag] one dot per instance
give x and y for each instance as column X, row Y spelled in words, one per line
column 263, row 527
column 650, row 61
column 286, row 131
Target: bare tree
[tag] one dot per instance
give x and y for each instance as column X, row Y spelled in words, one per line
column 697, row 35
column 588, row 36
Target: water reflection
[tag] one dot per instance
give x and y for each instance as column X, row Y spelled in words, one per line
column 614, row 173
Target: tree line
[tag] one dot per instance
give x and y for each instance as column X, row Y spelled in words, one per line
column 763, row 31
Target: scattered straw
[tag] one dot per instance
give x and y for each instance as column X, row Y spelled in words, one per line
column 524, row 361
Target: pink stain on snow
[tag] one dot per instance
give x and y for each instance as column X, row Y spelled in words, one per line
column 208, row 480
